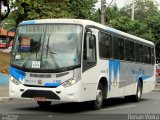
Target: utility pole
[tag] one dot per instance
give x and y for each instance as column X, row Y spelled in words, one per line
column 102, row 11
column 133, row 8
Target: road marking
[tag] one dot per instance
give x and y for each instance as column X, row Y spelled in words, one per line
column 155, row 102
column 119, row 107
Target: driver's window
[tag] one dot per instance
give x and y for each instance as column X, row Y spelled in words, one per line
column 89, row 51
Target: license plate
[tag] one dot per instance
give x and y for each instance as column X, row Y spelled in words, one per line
column 40, row 99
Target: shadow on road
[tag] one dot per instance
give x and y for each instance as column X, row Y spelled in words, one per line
column 79, row 107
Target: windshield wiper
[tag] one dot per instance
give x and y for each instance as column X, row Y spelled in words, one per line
column 38, row 45
column 48, row 51
column 52, row 53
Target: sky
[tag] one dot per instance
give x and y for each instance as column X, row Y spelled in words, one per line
column 120, row 3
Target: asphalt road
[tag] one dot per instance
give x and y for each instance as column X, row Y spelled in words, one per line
column 117, row 108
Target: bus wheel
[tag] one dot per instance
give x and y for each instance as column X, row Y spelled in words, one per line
column 44, row 104
column 97, row 104
column 138, row 95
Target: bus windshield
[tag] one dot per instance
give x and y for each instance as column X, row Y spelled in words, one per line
column 44, row 47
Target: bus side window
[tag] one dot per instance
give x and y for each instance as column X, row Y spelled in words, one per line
column 121, row 48
column 139, row 53
column 105, row 45
column 118, row 48
column 152, row 56
column 132, row 51
column 147, row 55
column 115, row 48
column 129, row 49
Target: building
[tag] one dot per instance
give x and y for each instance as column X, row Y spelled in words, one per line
column 5, row 37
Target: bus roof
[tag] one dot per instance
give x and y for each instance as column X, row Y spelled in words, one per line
column 85, row 23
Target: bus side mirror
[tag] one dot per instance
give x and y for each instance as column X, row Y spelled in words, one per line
column 92, row 41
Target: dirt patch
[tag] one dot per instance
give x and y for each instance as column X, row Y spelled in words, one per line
column 4, row 62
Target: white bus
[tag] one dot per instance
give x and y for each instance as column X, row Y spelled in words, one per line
column 79, row 60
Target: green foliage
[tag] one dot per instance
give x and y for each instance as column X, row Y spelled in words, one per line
column 81, row 9
column 135, row 27
column 95, row 16
column 143, row 9
column 9, row 22
column 153, row 22
column 40, row 9
column 111, row 13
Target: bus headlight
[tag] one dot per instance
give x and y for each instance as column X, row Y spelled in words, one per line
column 17, row 82
column 69, row 82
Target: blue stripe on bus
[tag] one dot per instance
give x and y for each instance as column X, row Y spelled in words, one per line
column 143, row 77
column 28, row 22
column 52, row 84
column 17, row 74
column 115, row 66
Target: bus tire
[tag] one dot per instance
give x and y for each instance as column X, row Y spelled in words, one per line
column 97, row 104
column 44, row 104
column 138, row 95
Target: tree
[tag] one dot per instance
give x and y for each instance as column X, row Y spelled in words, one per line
column 111, row 13
column 81, row 9
column 95, row 16
column 9, row 22
column 154, row 24
column 146, row 24
column 143, row 9
column 39, row 9
column 5, row 3
column 135, row 27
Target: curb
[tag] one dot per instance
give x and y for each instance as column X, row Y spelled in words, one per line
column 9, row 99
column 156, row 90
column 6, row 99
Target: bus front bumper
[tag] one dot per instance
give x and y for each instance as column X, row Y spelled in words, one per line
column 60, row 93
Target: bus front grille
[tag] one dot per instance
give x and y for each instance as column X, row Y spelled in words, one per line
column 40, row 93
column 40, row 75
